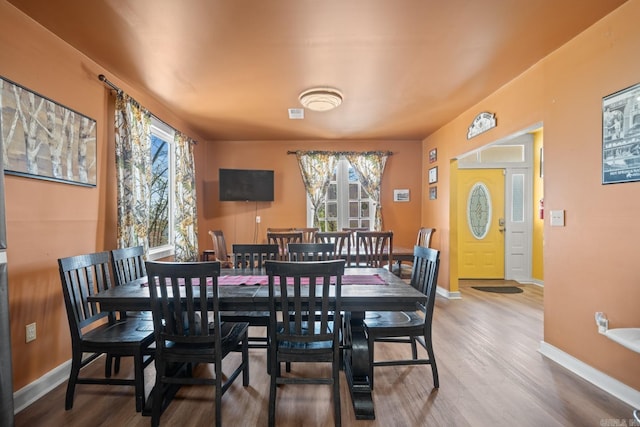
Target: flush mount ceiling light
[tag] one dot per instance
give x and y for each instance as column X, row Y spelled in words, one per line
column 321, row 98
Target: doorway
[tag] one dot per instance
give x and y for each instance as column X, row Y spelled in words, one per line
column 496, row 180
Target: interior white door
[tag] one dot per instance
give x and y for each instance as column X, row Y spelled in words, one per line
column 518, row 224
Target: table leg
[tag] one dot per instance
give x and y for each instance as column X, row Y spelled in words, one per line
column 356, row 366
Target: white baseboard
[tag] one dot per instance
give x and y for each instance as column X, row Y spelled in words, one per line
column 448, row 294
column 599, row 379
column 43, row 385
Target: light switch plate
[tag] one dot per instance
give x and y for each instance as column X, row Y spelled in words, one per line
column 557, row 218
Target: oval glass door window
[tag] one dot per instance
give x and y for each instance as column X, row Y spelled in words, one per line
column 479, row 210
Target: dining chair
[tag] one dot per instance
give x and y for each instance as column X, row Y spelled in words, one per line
column 282, row 239
column 423, row 239
column 353, row 231
column 128, row 268
column 250, row 258
column 220, row 249
column 296, row 289
column 96, row 332
column 374, row 249
column 311, row 251
column 308, row 233
column 409, row 327
column 188, row 330
column 340, row 239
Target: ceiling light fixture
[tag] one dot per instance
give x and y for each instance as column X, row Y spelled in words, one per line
column 321, row 98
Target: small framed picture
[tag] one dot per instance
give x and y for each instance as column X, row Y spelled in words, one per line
column 433, row 155
column 433, row 193
column 433, row 175
column 401, row 195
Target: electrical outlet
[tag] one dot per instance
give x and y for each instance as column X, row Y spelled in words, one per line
column 31, row 332
column 257, row 219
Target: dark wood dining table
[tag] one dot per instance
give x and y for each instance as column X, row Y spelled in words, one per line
column 357, row 299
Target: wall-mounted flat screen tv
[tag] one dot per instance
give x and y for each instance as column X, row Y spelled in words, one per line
column 242, row 185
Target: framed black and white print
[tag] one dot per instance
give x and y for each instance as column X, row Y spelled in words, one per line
column 45, row 140
column 621, row 136
column 433, row 155
column 433, row 175
column 433, row 193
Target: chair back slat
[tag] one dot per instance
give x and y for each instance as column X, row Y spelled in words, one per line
column 424, row 276
column 184, row 299
column 253, row 255
column 308, row 233
column 424, row 236
column 128, row 264
column 340, row 239
column 311, row 251
column 309, row 295
column 282, row 239
column 83, row 276
column 374, row 249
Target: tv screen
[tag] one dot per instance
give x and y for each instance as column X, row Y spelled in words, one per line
column 246, row 185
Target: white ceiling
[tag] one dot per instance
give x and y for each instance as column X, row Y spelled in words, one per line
column 232, row 68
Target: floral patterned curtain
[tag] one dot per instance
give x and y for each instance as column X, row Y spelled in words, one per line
column 133, row 169
column 370, row 166
column 185, row 215
column 316, row 168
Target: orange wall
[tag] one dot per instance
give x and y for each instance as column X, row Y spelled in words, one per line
column 590, row 264
column 237, row 219
column 48, row 220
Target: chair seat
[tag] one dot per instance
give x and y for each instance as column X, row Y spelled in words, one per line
column 231, row 334
column 131, row 332
column 391, row 319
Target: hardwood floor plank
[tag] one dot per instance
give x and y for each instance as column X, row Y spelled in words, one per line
column 491, row 374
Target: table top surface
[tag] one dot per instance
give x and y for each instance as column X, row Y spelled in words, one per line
column 395, row 294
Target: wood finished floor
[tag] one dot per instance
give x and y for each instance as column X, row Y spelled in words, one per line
column 491, row 374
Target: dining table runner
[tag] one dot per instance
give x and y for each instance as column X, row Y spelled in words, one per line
column 347, row 279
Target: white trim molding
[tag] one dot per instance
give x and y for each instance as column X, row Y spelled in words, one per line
column 610, row 385
column 448, row 294
column 43, row 385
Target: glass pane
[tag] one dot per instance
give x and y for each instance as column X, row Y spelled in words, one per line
column 517, row 196
column 363, row 193
column 332, row 226
column 353, row 210
column 159, row 209
column 364, row 209
column 332, row 210
column 353, row 191
column 366, row 223
column 332, row 192
column 354, row 223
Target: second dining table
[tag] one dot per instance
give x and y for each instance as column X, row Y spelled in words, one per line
column 363, row 289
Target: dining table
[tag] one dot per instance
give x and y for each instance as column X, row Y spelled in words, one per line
column 363, row 289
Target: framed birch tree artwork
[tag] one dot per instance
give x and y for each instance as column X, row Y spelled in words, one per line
column 45, row 140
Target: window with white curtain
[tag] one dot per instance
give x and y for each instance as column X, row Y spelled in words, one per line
column 347, row 204
column 161, row 235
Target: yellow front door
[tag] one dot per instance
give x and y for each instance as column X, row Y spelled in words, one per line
column 480, row 224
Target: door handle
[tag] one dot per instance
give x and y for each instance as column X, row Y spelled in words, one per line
column 501, row 226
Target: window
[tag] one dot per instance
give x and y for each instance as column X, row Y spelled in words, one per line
column 347, row 204
column 161, row 237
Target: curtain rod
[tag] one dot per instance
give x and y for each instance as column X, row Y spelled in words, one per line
column 388, row 153
column 104, row 80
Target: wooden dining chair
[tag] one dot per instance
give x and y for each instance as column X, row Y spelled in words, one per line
column 308, row 233
column 129, row 269
column 95, row 332
column 374, row 249
column 311, row 251
column 423, row 239
column 296, row 289
column 411, row 326
column 353, row 231
column 188, row 330
column 341, row 240
column 220, row 249
column 282, row 239
column 250, row 259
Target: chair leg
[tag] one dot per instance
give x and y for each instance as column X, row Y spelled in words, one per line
column 218, row 398
column 76, row 363
column 336, row 392
column 245, row 361
column 273, row 388
column 108, row 364
column 138, row 378
column 156, row 408
column 432, row 358
column 414, row 348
